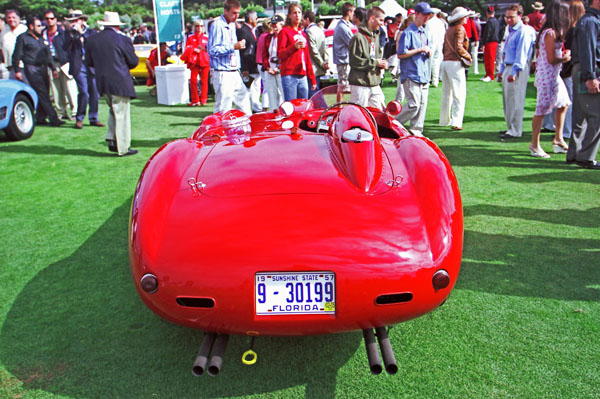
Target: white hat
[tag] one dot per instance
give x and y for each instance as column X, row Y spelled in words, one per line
column 459, row 13
column 436, row 10
column 111, row 18
column 537, row 5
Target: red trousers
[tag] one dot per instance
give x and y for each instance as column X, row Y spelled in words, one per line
column 489, row 58
column 194, row 84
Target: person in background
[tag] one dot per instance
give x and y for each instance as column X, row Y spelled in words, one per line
column 435, row 30
column 316, row 47
column 551, row 91
column 145, row 33
column 197, row 59
column 514, row 71
column 473, row 36
column 63, row 86
column 112, row 55
column 576, row 11
column 367, row 62
column 260, row 48
column 341, row 40
column 270, row 64
column 8, row 39
column 454, row 88
column 585, row 137
column 248, row 58
column 224, row 55
column 489, row 40
column 413, row 52
column 389, row 52
column 297, row 76
column 85, row 77
column 405, row 24
column 35, row 55
column 152, row 62
column 3, row 68
column 535, row 18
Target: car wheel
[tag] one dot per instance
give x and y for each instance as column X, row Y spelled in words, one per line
column 21, row 123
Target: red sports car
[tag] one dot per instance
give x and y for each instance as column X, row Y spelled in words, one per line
column 313, row 219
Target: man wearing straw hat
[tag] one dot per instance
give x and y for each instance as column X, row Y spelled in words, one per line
column 536, row 17
column 112, row 54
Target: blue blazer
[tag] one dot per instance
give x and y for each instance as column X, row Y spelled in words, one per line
column 112, row 55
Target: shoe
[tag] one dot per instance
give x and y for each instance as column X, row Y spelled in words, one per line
column 57, row 123
column 112, row 146
column 588, row 164
column 501, row 132
column 568, row 161
column 131, row 151
column 560, row 148
column 546, row 130
column 486, row 79
column 42, row 123
column 505, row 136
column 538, row 153
column 97, row 124
column 457, row 128
column 193, row 104
column 79, row 125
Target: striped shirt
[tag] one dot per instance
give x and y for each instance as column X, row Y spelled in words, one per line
column 221, row 39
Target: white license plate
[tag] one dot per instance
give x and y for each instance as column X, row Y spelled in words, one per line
column 294, row 293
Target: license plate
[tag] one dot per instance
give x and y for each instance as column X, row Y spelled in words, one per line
column 295, row 293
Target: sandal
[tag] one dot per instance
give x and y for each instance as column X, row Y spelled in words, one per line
column 560, row 147
column 538, row 153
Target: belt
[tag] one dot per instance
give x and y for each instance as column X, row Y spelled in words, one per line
column 226, row 70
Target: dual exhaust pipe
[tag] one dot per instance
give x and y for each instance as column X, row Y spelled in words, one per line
column 213, row 347
column 389, row 361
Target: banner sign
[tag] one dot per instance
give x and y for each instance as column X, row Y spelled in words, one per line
column 169, row 20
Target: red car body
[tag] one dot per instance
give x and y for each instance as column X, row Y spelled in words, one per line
column 247, row 197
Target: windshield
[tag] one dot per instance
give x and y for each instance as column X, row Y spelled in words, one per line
column 327, row 96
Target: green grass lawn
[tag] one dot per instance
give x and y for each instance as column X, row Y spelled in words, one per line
column 522, row 322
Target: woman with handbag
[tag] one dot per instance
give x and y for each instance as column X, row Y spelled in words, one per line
column 456, row 59
column 196, row 58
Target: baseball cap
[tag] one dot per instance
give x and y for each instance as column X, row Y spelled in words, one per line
column 276, row 18
column 423, row 8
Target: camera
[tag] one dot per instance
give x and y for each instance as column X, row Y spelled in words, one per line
column 275, row 60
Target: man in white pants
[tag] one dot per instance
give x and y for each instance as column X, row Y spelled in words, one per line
column 514, row 71
column 223, row 51
column 436, row 30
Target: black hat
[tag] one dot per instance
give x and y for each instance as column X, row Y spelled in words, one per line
column 276, row 18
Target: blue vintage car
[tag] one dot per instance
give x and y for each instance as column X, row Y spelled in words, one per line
column 17, row 109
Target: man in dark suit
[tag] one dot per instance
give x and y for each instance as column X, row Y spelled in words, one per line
column 112, row 55
column 74, row 45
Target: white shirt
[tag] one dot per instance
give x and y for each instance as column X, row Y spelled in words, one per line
column 8, row 40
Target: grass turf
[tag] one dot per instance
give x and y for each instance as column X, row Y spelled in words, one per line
column 523, row 320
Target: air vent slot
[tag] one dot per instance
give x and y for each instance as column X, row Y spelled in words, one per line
column 196, row 302
column 388, row 299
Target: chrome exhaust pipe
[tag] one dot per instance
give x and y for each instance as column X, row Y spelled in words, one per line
column 202, row 358
column 372, row 352
column 389, row 361
column 216, row 358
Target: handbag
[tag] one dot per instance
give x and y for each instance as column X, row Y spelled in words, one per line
column 465, row 62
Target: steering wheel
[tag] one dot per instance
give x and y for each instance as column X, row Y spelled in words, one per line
column 344, row 103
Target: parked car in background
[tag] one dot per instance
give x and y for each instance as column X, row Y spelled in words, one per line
column 143, row 52
column 17, row 109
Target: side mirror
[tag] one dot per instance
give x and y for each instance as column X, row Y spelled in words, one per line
column 393, row 108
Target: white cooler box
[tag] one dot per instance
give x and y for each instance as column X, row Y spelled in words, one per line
column 172, row 85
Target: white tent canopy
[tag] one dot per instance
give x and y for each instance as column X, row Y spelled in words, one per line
column 391, row 8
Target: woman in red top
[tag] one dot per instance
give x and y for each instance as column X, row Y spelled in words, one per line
column 196, row 58
column 292, row 51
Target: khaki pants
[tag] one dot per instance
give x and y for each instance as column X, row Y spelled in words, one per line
column 64, row 93
column 416, row 106
column 119, row 124
column 513, row 98
column 367, row 96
